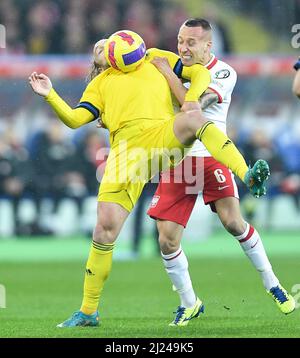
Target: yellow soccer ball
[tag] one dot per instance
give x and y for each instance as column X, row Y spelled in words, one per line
column 125, row 50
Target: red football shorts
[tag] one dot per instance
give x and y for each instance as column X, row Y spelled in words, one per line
column 178, row 188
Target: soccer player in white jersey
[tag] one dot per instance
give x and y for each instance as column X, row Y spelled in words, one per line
column 172, row 204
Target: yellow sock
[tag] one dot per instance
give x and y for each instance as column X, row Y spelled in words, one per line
column 97, row 270
column 222, row 149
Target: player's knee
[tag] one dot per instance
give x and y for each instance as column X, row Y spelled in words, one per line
column 104, row 233
column 196, row 119
column 168, row 244
column 234, row 226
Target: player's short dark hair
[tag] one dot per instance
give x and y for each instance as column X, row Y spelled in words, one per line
column 198, row 22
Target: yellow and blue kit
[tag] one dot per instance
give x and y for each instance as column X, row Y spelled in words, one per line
column 137, row 109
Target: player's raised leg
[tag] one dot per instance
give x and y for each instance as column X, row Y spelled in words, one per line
column 110, row 219
column 192, row 124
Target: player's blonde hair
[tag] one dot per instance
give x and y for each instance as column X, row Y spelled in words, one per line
column 97, row 65
column 94, row 71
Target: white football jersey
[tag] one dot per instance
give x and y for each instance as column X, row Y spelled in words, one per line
column 223, row 80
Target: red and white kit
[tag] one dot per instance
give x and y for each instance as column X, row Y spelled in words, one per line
column 174, row 200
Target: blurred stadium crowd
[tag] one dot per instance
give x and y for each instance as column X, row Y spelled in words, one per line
column 40, row 158
column 70, row 27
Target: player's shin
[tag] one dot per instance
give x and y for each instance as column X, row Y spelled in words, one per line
column 176, row 266
column 252, row 245
column 222, row 148
column 98, row 268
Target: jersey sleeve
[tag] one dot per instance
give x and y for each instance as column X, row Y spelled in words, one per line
column 91, row 99
column 223, row 82
column 174, row 60
column 200, row 80
column 72, row 118
column 155, row 52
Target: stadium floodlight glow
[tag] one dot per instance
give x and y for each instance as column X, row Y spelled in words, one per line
column 295, row 42
column 2, row 296
column 2, row 36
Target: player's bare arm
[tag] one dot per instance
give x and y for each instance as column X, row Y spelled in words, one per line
column 208, row 99
column 162, row 64
column 197, row 74
column 175, row 84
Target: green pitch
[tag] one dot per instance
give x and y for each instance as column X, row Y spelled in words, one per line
column 43, row 281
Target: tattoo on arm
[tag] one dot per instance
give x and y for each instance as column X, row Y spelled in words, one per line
column 208, row 99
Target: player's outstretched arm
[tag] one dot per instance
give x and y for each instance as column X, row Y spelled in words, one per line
column 73, row 118
column 207, row 99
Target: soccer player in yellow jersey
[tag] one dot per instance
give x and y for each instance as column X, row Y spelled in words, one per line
column 135, row 105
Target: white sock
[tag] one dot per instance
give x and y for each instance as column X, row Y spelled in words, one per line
column 253, row 247
column 176, row 265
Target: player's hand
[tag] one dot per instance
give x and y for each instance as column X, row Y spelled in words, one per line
column 40, row 84
column 191, row 106
column 100, row 124
column 162, row 64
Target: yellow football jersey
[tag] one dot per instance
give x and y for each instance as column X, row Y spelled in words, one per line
column 124, row 97
column 141, row 94
column 135, row 107
column 120, row 98
column 197, row 74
